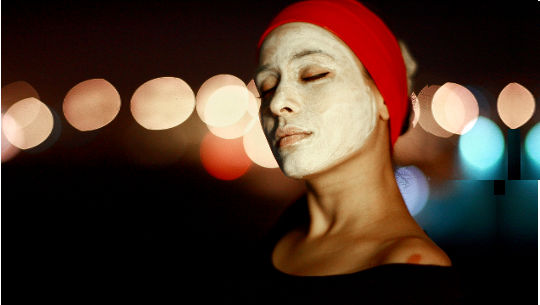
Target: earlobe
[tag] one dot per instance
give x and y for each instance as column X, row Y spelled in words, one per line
column 383, row 111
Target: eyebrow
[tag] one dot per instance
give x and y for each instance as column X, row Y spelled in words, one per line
column 294, row 57
column 309, row 52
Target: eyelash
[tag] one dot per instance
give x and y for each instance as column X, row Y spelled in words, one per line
column 315, row 77
column 305, row 79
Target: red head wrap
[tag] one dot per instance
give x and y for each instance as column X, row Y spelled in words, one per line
column 368, row 37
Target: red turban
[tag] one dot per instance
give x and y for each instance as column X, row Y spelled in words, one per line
column 368, row 37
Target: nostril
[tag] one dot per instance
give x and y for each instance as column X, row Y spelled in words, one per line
column 287, row 109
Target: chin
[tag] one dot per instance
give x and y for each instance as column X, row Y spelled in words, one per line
column 292, row 171
column 299, row 170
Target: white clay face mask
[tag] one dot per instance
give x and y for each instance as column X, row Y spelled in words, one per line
column 317, row 107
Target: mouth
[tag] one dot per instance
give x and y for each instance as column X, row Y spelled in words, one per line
column 290, row 135
column 292, row 139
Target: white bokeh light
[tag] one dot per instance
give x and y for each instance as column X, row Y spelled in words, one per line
column 222, row 100
column 27, row 123
column 162, row 103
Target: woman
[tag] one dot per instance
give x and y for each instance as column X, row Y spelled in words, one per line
column 333, row 86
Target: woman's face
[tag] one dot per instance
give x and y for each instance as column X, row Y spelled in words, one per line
column 317, row 107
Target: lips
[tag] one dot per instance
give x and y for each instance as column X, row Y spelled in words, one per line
column 289, row 135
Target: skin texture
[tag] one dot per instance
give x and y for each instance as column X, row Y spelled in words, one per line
column 414, row 259
column 315, row 83
column 358, row 218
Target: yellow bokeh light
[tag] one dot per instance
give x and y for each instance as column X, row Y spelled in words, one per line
column 257, row 147
column 455, row 108
column 222, row 100
column 515, row 105
column 91, row 104
column 27, row 123
column 162, row 103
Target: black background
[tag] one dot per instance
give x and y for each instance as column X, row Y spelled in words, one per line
column 80, row 219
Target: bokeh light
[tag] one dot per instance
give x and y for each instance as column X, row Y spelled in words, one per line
column 515, row 105
column 242, row 126
column 222, row 100
column 224, row 159
column 454, row 108
column 15, row 92
column 414, row 188
column 257, row 147
column 532, row 144
column 415, row 108
column 91, row 104
column 253, row 89
column 483, row 146
column 426, row 120
column 53, row 136
column 162, row 103
column 236, row 130
column 9, row 151
column 27, row 123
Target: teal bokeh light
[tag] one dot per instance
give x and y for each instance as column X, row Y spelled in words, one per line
column 483, row 146
column 532, row 144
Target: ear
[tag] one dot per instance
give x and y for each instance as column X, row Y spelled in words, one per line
column 383, row 110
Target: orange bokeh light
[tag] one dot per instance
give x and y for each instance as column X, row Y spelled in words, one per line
column 15, row 92
column 426, row 120
column 515, row 105
column 455, row 108
column 91, row 104
column 224, row 159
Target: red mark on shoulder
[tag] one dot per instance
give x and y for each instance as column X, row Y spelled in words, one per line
column 414, row 259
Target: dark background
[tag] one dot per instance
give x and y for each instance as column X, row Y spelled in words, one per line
column 81, row 216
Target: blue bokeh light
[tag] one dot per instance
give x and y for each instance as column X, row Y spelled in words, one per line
column 532, row 144
column 483, row 146
column 414, row 188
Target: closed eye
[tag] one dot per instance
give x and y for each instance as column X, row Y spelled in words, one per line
column 314, row 77
column 266, row 93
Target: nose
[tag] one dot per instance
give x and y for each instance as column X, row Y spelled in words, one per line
column 285, row 102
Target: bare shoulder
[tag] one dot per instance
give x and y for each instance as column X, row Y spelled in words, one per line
column 413, row 250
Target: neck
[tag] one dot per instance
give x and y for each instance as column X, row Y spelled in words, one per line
column 357, row 193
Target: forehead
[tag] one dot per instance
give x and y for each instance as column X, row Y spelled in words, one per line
column 289, row 39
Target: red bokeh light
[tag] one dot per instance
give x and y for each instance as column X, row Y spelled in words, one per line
column 224, row 159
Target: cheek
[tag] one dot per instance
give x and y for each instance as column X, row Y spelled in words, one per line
column 347, row 121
